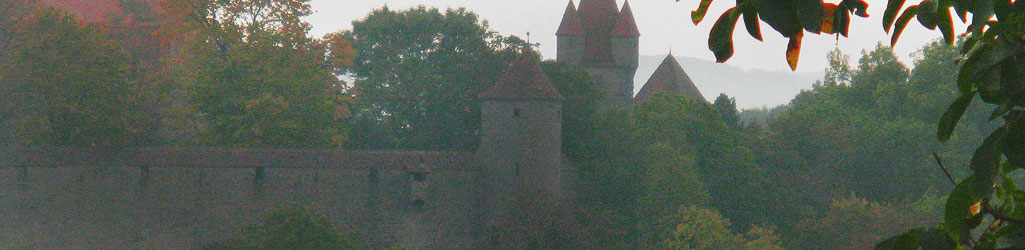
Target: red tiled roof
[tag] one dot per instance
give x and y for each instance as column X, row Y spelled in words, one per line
column 570, row 22
column 88, row 10
column 669, row 78
column 598, row 17
column 523, row 80
column 626, row 26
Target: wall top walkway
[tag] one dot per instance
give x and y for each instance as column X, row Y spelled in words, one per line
column 238, row 158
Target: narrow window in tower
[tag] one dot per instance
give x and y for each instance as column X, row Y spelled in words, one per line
column 517, row 169
column 418, row 191
column 516, row 112
column 374, row 175
column 419, row 176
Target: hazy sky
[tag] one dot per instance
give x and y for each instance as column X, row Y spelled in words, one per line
column 663, row 24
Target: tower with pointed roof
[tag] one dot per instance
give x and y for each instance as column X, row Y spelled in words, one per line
column 602, row 39
column 521, row 135
column 670, row 78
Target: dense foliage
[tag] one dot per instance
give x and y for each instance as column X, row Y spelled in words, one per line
column 66, row 83
column 295, row 227
column 254, row 76
column 989, row 67
column 418, row 74
column 853, row 154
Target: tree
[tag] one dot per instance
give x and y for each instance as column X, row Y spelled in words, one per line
column 578, row 107
column 65, row 83
column 12, row 12
column 292, row 227
column 419, row 73
column 862, row 222
column 256, row 75
column 839, row 71
column 723, row 159
column 670, row 180
column 701, row 228
column 726, row 108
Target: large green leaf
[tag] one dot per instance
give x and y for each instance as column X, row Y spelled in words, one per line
column 699, row 14
column 841, row 21
column 752, row 24
column 927, row 14
column 950, row 119
column 904, row 241
column 957, row 210
column 809, row 13
column 982, row 11
column 902, row 22
column 1014, row 148
column 986, row 162
column 946, row 25
column 779, row 15
column 892, row 8
column 934, row 239
column 720, row 40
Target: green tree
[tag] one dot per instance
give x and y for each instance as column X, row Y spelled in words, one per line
column 578, row 107
column 862, row 222
column 65, row 83
column 990, row 69
column 256, row 75
column 419, row 72
column 723, row 158
column 293, row 227
column 726, row 108
column 670, row 180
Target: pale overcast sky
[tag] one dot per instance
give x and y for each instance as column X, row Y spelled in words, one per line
column 663, row 24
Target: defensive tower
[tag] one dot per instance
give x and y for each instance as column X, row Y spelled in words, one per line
column 602, row 40
column 520, row 137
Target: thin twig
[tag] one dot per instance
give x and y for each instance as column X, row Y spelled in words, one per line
column 940, row 162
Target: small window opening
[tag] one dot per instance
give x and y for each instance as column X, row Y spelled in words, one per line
column 374, row 176
column 516, row 112
column 419, row 176
column 418, row 205
column 517, row 169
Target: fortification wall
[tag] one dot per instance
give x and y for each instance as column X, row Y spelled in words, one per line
column 181, row 207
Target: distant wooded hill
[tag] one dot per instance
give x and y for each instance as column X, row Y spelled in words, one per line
column 753, row 88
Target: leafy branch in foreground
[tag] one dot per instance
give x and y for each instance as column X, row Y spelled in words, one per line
column 790, row 18
column 990, row 68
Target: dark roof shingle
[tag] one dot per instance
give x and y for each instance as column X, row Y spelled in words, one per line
column 626, row 26
column 669, row 78
column 523, row 80
column 570, row 22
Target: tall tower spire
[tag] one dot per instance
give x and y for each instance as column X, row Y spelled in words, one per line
column 626, row 25
column 570, row 22
column 602, row 40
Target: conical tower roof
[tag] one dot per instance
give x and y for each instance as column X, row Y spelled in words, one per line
column 669, row 78
column 626, row 26
column 524, row 80
column 570, row 22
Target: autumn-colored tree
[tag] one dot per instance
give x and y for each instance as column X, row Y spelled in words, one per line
column 700, row 228
column 255, row 75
